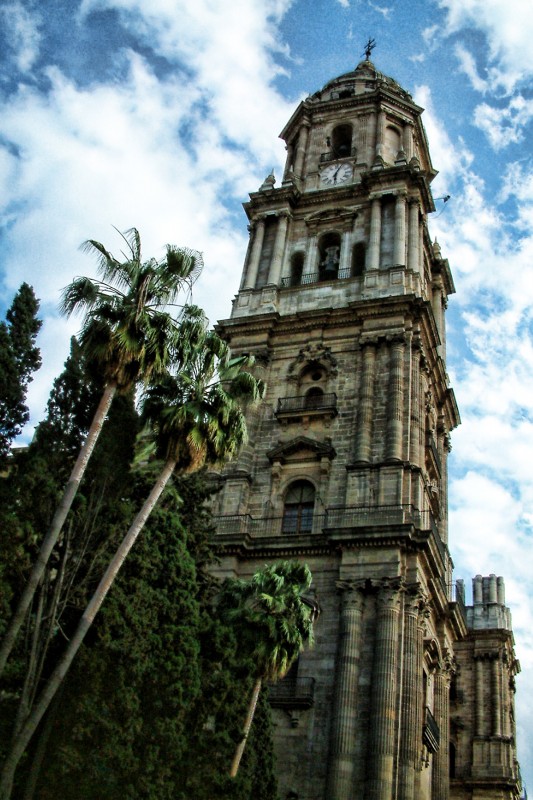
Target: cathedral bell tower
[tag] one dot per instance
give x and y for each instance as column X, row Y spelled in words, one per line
column 342, row 302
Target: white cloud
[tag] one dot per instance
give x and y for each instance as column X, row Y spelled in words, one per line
column 504, row 126
column 172, row 156
column 468, row 66
column 22, row 33
column 508, row 27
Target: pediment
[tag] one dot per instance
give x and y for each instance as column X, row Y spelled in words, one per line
column 301, row 448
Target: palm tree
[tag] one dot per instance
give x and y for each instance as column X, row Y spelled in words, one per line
column 273, row 622
column 197, row 418
column 127, row 336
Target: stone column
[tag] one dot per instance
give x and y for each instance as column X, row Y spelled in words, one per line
column 363, row 436
column 395, row 406
column 253, row 266
column 310, row 257
column 411, row 695
column 408, row 145
column 399, row 231
column 345, row 260
column 288, row 162
column 381, row 738
column 301, row 148
column 496, row 692
column 345, row 718
column 414, row 434
column 380, row 124
column 440, row 782
column 279, row 248
column 374, row 244
column 479, row 682
column 413, row 238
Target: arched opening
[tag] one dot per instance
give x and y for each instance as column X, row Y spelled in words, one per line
column 358, row 259
column 329, row 248
column 341, row 141
column 297, row 268
column 298, row 507
column 314, row 398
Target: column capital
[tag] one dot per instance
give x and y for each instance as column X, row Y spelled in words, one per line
column 389, row 592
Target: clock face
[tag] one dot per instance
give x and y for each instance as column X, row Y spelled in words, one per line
column 335, row 174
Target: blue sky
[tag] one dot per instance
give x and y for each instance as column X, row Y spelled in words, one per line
column 164, row 114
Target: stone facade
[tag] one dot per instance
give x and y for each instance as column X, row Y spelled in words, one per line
column 407, row 694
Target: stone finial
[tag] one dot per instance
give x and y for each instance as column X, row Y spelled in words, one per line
column 436, row 249
column 269, row 182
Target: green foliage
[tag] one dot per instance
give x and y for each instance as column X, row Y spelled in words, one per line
column 272, row 620
column 127, row 333
column 154, row 704
column 19, row 358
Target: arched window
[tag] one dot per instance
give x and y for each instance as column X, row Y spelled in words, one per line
column 298, row 508
column 341, row 141
column 358, row 259
column 329, row 248
column 297, row 268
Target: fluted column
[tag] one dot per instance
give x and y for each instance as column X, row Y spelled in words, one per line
column 399, row 231
column 344, row 265
column 413, row 237
column 380, row 125
column 479, row 683
column 279, row 248
column 257, row 246
column 414, row 433
column 301, row 148
column 288, row 163
column 344, row 725
column 440, row 783
column 374, row 244
column 310, row 256
column 395, row 406
column 381, row 740
column 411, row 695
column 363, row 437
column 496, row 692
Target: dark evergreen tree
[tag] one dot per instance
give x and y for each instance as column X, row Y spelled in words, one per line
column 19, row 358
column 154, row 704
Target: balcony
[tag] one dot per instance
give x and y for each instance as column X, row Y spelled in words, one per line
column 431, row 732
column 292, row 693
column 316, row 277
column 331, row 155
column 315, row 405
column 334, row 519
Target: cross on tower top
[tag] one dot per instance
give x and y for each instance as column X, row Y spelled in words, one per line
column 369, row 47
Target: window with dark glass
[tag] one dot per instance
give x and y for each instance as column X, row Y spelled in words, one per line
column 298, row 508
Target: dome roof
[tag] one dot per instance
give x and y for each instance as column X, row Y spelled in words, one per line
column 364, row 78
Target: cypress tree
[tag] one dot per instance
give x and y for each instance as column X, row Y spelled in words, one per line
column 19, row 358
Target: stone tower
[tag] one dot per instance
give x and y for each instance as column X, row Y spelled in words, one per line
column 342, row 302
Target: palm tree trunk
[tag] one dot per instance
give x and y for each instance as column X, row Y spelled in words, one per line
column 247, row 725
column 56, row 678
column 56, row 525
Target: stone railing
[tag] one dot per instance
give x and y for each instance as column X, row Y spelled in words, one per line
column 317, row 277
column 290, row 693
column 310, row 403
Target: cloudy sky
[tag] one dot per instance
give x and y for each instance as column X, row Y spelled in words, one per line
column 164, row 114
